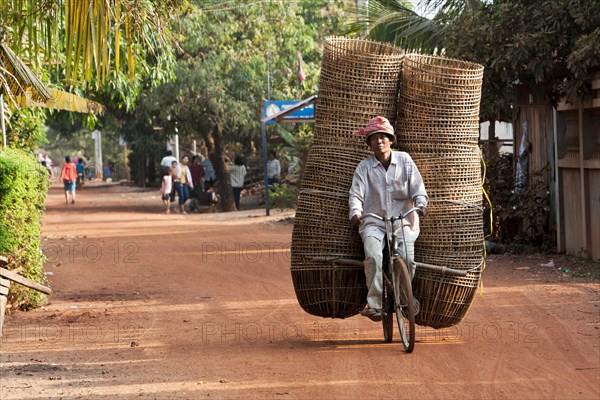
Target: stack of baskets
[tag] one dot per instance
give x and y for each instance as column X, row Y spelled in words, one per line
column 438, row 125
column 359, row 79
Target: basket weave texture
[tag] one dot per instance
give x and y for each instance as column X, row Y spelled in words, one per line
column 434, row 104
column 438, row 124
column 359, row 79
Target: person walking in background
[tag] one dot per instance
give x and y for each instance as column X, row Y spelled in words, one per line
column 166, row 188
column 210, row 175
column 68, row 175
column 238, row 173
column 80, row 170
column 184, row 184
column 273, row 169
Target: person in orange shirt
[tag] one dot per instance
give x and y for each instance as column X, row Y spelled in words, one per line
column 68, row 175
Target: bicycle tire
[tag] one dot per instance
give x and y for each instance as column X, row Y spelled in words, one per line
column 405, row 311
column 387, row 312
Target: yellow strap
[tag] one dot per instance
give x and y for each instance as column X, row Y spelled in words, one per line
column 487, row 197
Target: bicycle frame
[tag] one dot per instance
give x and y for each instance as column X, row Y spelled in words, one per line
column 397, row 281
column 397, row 285
column 391, row 236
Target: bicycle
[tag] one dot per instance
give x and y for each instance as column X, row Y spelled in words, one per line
column 397, row 294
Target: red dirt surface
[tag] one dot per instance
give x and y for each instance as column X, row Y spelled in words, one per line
column 148, row 305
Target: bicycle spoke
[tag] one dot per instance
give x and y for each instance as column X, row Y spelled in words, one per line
column 404, row 308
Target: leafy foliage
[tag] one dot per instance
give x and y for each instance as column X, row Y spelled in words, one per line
column 91, row 42
column 520, row 215
column 27, row 128
column 284, row 196
column 23, row 188
column 549, row 45
column 226, row 55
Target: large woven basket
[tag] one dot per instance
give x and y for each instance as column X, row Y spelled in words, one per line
column 438, row 124
column 359, row 79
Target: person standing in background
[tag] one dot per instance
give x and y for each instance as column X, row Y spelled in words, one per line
column 166, row 188
column 197, row 171
column 175, row 179
column 185, row 183
column 238, row 173
column 273, row 169
column 49, row 165
column 210, row 176
column 167, row 160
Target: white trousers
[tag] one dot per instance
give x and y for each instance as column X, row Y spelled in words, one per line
column 373, row 266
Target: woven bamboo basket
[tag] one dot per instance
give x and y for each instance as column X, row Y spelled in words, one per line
column 452, row 236
column 453, row 176
column 359, row 79
column 318, row 174
column 444, row 300
column 438, row 125
column 322, row 232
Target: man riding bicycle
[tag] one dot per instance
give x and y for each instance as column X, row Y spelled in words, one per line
column 386, row 183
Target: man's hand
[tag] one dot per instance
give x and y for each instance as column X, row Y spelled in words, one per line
column 355, row 220
column 422, row 211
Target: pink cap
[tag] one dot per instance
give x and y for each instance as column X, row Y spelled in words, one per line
column 377, row 124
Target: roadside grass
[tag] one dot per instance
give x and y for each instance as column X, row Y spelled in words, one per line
column 581, row 267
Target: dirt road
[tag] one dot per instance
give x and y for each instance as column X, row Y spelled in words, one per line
column 148, row 305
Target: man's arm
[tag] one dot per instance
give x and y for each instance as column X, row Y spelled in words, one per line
column 356, row 196
column 417, row 187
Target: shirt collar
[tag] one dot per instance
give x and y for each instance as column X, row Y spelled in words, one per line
column 375, row 162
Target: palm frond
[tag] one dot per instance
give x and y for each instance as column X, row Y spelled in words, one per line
column 395, row 21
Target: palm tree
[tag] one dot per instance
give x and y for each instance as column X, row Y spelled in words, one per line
column 79, row 43
column 83, row 41
column 395, row 21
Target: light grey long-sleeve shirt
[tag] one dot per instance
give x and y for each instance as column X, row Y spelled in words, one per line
column 387, row 193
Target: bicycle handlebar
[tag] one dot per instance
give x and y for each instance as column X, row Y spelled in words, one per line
column 401, row 216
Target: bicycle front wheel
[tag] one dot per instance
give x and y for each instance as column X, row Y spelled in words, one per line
column 387, row 311
column 405, row 310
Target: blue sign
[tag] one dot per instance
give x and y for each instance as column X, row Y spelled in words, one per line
column 273, row 107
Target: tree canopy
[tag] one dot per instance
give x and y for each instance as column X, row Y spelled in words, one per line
column 549, row 45
column 225, row 54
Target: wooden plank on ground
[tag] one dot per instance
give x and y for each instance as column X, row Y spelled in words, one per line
column 24, row 281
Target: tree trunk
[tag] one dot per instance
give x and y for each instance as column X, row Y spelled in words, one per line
column 214, row 145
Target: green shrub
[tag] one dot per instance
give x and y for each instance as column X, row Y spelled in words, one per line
column 284, row 196
column 23, row 190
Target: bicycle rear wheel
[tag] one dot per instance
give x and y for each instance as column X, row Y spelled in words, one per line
column 405, row 311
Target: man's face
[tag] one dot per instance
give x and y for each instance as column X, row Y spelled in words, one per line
column 380, row 143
